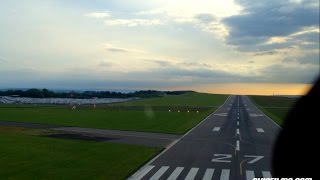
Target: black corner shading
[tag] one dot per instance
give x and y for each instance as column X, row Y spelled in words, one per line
column 296, row 153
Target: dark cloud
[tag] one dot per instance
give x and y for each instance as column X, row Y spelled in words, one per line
column 265, row 19
column 279, row 73
column 308, row 59
column 263, row 53
column 311, row 37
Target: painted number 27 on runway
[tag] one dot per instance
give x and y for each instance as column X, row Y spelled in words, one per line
column 222, row 158
column 226, row 158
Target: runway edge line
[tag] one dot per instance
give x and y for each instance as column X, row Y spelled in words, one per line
column 175, row 142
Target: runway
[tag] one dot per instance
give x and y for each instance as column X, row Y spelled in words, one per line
column 235, row 142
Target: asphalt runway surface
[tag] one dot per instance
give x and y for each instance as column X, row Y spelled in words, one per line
column 102, row 135
column 235, row 142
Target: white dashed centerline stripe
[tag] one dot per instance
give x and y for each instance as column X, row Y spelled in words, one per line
column 159, row 173
column 260, row 130
column 139, row 174
column 266, row 174
column 250, row 175
column 208, row 174
column 175, row 173
column 238, row 146
column 192, row 174
column 225, row 174
column 238, row 117
column 238, row 132
column 216, row 129
column 238, row 123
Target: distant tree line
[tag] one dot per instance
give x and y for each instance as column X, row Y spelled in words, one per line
column 45, row 93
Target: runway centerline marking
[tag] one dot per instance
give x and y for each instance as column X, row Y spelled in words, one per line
column 216, row 129
column 238, row 146
column 260, row 130
column 238, row 132
column 237, row 123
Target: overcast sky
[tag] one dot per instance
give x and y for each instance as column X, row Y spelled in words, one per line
column 158, row 44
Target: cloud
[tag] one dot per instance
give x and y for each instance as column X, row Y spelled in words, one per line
column 205, row 18
column 195, row 64
column 105, row 64
column 151, row 12
column 206, row 22
column 162, row 63
column 264, row 53
column 4, row 59
column 307, row 59
column 115, row 49
column 98, row 15
column 133, row 22
column 179, row 64
column 263, row 22
column 280, row 73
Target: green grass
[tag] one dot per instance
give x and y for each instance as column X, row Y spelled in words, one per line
column 150, row 121
column 150, row 115
column 187, row 99
column 275, row 107
column 24, row 156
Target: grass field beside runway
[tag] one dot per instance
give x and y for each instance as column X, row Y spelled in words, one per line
column 24, row 155
column 275, row 107
column 138, row 116
column 190, row 99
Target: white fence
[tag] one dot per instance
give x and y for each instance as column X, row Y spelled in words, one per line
column 25, row 100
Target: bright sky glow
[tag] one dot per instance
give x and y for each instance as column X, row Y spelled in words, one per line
column 160, row 44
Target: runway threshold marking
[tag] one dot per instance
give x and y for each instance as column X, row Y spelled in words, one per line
column 260, row 130
column 216, row 129
column 175, row 173
column 225, row 173
column 266, row 174
column 159, row 173
column 250, row 175
column 192, row 174
column 208, row 174
column 142, row 172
